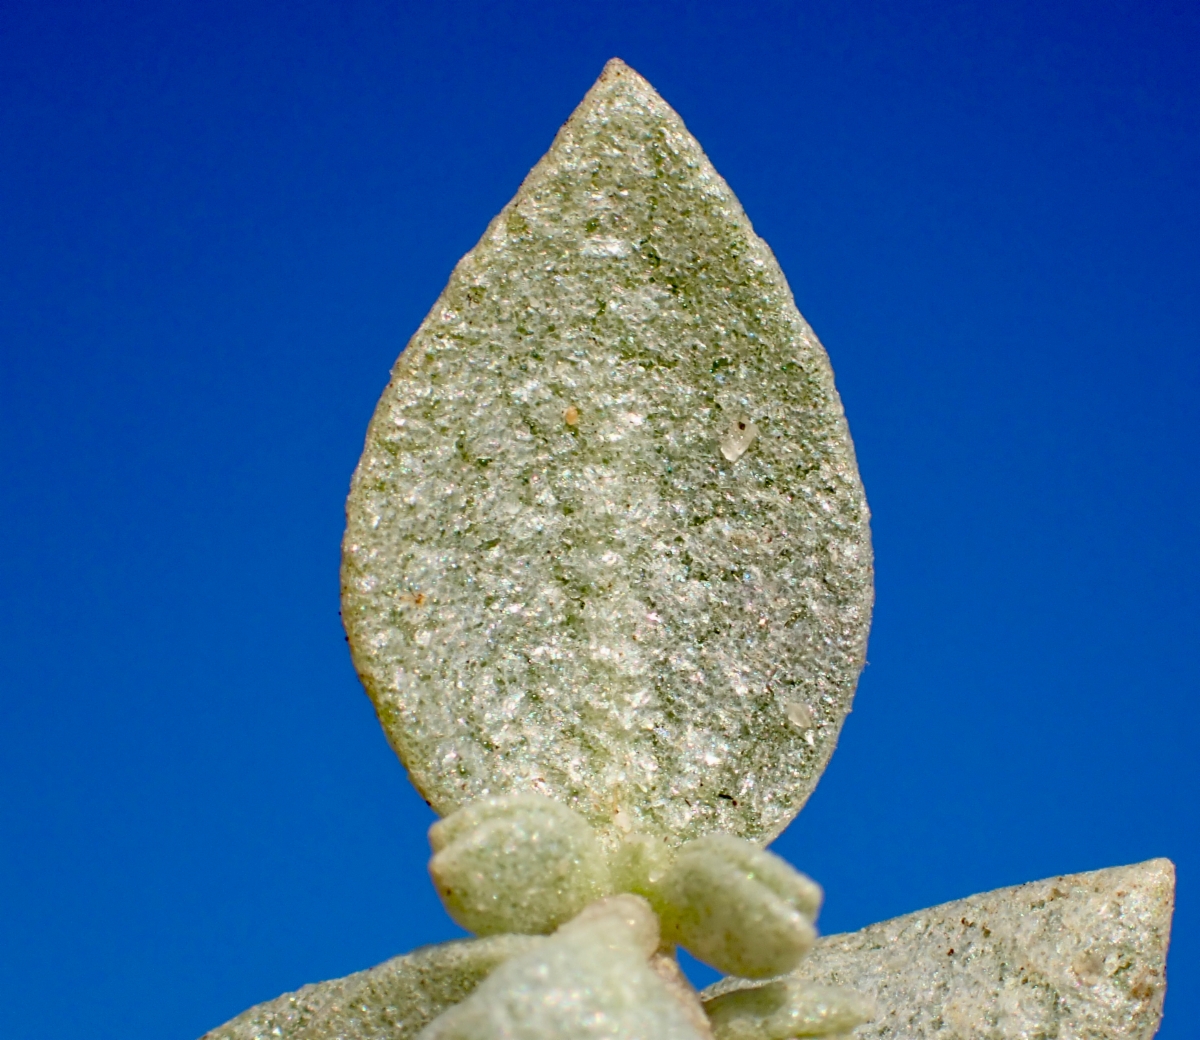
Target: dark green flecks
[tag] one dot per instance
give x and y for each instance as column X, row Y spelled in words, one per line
column 627, row 610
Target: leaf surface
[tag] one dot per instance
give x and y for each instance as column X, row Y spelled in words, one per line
column 1081, row 956
column 607, row 541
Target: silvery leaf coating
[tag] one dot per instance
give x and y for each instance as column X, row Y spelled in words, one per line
column 737, row 907
column 518, row 863
column 784, row 1009
column 392, row 1001
column 1081, row 956
column 607, row 540
column 591, row 979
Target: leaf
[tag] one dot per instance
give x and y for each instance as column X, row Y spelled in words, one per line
column 592, row 978
column 607, row 541
column 392, row 1001
column 1080, row 956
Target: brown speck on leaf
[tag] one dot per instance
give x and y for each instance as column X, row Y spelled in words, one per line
column 417, row 599
column 1143, row 989
column 571, row 415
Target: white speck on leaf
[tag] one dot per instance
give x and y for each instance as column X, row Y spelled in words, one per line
column 738, row 438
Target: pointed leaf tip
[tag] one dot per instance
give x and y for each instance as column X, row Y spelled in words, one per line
column 1083, row 955
column 566, row 568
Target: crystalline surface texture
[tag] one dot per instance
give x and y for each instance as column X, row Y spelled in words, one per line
column 1080, row 957
column 607, row 541
column 392, row 1001
column 589, row 980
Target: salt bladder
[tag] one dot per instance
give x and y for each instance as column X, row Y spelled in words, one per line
column 607, row 579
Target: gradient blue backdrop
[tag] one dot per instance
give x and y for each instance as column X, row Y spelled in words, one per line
column 220, row 223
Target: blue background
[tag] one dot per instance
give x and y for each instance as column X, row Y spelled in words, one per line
column 222, row 221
